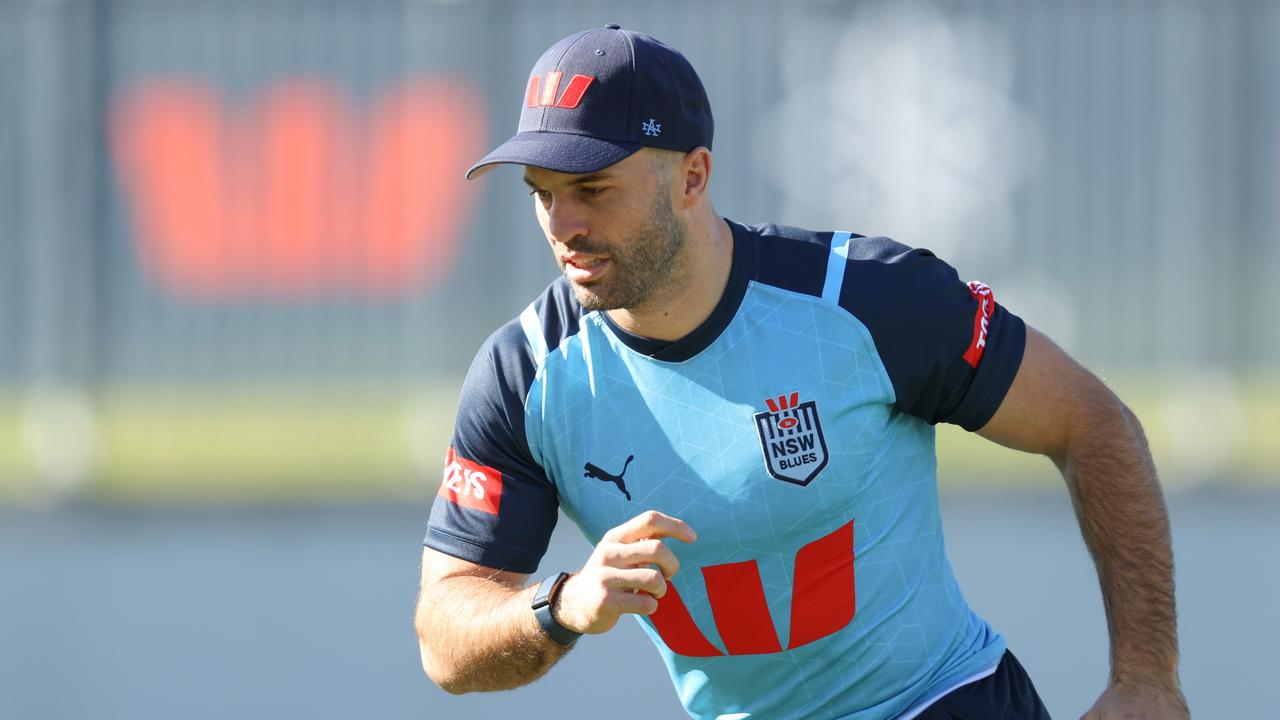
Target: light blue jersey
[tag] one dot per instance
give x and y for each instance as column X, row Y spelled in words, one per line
column 793, row 431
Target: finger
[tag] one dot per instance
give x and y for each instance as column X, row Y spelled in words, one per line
column 622, row 601
column 651, row 524
column 643, row 579
column 643, row 552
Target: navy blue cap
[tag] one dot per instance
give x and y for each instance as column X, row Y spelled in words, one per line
column 600, row 95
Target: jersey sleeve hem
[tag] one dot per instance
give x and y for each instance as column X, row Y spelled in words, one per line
column 1001, row 368
column 486, row 555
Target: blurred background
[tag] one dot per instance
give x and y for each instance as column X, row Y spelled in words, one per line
column 241, row 278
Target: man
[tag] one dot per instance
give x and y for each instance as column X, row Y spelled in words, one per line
column 740, row 419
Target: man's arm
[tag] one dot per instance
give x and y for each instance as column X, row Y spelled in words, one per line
column 1057, row 408
column 476, row 630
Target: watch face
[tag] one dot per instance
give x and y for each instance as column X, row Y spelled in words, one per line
column 543, row 597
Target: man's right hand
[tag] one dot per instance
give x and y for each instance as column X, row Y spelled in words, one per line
column 619, row 577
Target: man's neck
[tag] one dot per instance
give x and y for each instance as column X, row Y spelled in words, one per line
column 678, row 313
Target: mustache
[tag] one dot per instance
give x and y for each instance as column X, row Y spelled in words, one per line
column 588, row 247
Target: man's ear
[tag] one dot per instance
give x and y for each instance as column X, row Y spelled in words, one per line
column 695, row 171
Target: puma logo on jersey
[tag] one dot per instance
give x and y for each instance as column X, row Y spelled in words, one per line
column 594, row 471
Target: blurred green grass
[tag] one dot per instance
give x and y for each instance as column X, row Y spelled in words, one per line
column 336, row 442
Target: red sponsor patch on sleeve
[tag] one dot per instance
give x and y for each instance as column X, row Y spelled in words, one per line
column 981, row 320
column 471, row 484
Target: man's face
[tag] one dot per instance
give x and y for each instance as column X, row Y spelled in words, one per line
column 614, row 232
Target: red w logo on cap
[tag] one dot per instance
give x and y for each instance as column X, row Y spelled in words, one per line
column 546, row 96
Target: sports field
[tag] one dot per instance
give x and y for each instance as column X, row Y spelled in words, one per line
column 265, row 443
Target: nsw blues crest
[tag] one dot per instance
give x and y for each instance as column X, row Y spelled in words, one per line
column 791, row 439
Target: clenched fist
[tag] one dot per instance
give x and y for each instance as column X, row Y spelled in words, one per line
column 626, row 573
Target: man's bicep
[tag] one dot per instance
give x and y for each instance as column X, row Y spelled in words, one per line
column 1049, row 395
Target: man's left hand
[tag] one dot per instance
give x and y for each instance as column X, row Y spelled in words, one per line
column 1124, row 701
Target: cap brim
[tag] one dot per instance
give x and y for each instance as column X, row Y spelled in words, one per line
column 561, row 152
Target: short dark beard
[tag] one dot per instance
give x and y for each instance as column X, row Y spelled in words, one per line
column 645, row 265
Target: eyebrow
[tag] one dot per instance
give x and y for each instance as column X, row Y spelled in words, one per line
column 580, row 180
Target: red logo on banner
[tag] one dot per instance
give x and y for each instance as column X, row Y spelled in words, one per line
column 296, row 192
column 471, row 484
column 981, row 319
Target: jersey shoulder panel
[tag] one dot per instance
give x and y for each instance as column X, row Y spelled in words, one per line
column 951, row 352
column 496, row 506
column 793, row 258
column 554, row 316
column 491, row 406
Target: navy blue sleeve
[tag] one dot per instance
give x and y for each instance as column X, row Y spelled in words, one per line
column 951, row 352
column 495, row 506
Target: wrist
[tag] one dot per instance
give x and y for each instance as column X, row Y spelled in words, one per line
column 558, row 610
column 1156, row 679
column 546, row 601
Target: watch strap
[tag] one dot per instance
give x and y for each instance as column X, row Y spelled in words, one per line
column 543, row 601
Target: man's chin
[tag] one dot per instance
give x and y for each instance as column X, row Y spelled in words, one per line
column 591, row 297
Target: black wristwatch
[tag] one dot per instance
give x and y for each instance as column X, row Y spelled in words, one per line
column 543, row 600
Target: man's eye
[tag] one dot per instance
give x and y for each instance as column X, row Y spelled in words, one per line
column 542, row 195
column 592, row 190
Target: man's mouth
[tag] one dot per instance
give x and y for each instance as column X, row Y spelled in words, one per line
column 584, row 268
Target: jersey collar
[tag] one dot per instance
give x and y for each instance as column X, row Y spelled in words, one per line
column 710, row 329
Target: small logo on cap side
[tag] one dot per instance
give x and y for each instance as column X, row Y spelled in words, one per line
column 546, row 95
column 651, row 128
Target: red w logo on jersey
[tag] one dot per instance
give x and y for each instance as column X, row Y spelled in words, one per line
column 471, row 484
column 822, row 602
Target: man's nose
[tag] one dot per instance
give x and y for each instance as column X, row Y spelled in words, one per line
column 566, row 222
